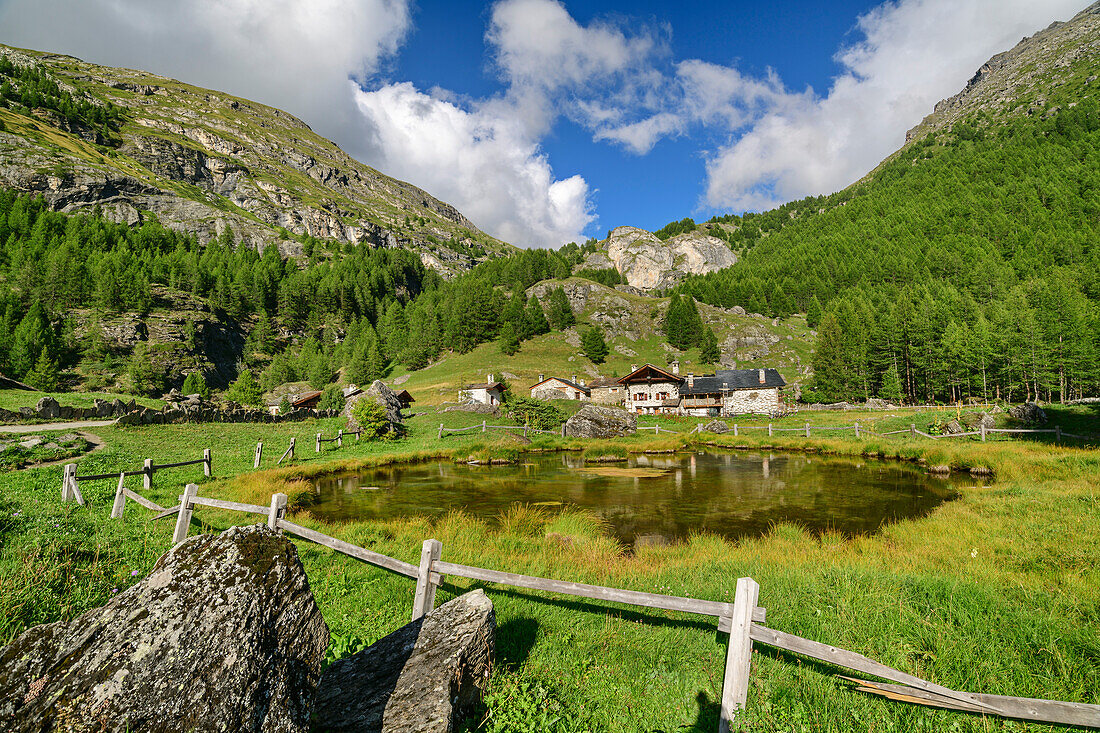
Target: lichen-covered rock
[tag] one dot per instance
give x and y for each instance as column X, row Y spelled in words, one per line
column 716, row 426
column 223, row 635
column 595, row 421
column 422, row 678
column 48, row 408
column 383, row 395
column 1028, row 413
column 471, row 406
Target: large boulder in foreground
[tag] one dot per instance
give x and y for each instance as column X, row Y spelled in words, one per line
column 383, row 395
column 423, row 678
column 594, row 421
column 223, row 635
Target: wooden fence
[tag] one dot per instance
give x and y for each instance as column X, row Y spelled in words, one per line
column 70, row 482
column 743, row 620
column 484, row 426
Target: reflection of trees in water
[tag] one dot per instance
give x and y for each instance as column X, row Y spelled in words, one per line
column 730, row 494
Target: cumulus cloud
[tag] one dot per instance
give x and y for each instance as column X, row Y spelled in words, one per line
column 486, row 163
column 912, row 54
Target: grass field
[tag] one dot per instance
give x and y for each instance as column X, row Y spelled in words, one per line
column 997, row 592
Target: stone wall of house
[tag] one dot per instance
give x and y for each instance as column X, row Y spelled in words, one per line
column 649, row 391
column 604, row 395
column 743, row 401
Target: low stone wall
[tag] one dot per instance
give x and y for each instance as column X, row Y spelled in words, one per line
column 131, row 413
column 49, row 409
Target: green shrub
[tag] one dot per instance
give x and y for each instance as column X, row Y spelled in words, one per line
column 195, row 383
column 539, row 414
column 245, row 390
column 332, row 398
column 370, row 416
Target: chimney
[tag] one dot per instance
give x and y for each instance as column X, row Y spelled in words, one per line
column 574, row 379
column 582, row 382
column 633, row 368
column 762, row 380
column 675, row 367
column 542, row 378
column 490, row 378
column 691, row 381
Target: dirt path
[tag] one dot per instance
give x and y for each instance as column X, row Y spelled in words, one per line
column 97, row 444
column 46, row 426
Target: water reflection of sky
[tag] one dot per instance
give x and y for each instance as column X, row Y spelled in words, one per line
column 734, row 495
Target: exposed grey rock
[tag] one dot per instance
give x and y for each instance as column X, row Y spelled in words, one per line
column 32, row 441
column 471, row 406
column 383, row 395
column 48, row 408
column 595, row 421
column 874, row 403
column 423, row 678
column 223, row 635
column 975, row 420
column 647, row 263
column 953, row 427
column 716, row 426
column 1028, row 413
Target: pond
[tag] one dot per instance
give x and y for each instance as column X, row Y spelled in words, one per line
column 653, row 498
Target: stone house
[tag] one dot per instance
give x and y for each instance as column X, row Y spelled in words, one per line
column 557, row 388
column 606, row 391
column 490, row 393
column 731, row 392
column 650, row 390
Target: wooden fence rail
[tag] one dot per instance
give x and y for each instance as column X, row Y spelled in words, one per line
column 70, row 481
column 743, row 621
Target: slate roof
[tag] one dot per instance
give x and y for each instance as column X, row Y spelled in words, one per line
column 604, row 382
column 574, row 385
column 494, row 385
column 305, row 398
column 662, row 375
column 734, row 379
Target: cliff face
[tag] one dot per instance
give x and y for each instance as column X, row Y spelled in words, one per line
column 201, row 161
column 647, row 263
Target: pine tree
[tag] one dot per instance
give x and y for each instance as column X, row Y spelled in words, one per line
column 44, row 375
column 509, row 341
column 593, row 345
column 813, row 312
column 534, row 320
column 560, row 312
column 195, row 383
column 891, row 385
column 245, row 391
column 31, row 336
column 709, row 352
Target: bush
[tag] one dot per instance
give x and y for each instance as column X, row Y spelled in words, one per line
column 538, row 414
column 332, row 398
column 285, row 406
column 370, row 416
column 195, row 383
column 245, row 390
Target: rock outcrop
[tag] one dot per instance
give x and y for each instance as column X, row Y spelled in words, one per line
column 716, row 426
column 648, row 263
column 223, row 635
column 383, row 395
column 595, row 421
column 423, row 678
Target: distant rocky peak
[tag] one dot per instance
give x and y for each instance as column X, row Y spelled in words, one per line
column 647, row 263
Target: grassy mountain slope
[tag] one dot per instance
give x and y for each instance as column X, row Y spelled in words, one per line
column 201, row 160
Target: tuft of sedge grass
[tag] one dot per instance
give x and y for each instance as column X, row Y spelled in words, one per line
column 604, row 453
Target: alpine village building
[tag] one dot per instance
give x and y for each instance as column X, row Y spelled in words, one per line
column 651, row 390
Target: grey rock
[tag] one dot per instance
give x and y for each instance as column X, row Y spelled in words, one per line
column 423, row 678
column 48, row 408
column 31, row 442
column 383, row 395
column 874, row 403
column 953, row 427
column 648, row 263
column 975, row 420
column 471, row 406
column 1028, row 413
column 223, row 635
column 716, row 426
column 103, row 408
column 595, row 421
column 65, row 412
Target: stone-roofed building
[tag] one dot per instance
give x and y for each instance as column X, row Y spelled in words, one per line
column 651, row 390
column 557, row 388
column 606, row 391
column 489, row 393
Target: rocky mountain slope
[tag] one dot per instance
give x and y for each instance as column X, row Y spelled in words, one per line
column 648, row 263
column 202, row 161
column 1045, row 70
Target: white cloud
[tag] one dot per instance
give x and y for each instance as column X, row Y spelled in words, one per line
column 914, row 53
column 484, row 163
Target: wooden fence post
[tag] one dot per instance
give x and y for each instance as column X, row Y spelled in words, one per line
column 278, row 509
column 913, row 429
column 735, row 683
column 67, row 481
column 318, row 450
column 147, row 474
column 74, row 487
column 735, row 430
column 120, row 498
column 563, row 430
column 340, row 438
column 982, row 429
column 769, row 430
column 424, row 600
column 857, row 429
column 440, row 431
column 807, row 430
column 207, row 466
column 483, row 426
column 292, row 442
column 259, row 454
column 183, row 519
column 1057, row 433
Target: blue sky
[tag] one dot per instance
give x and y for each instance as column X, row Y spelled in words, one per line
column 546, row 121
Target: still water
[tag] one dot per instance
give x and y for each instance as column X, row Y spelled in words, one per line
column 653, row 498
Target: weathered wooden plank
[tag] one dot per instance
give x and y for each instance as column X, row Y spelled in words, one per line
column 120, row 498
column 183, row 518
column 163, row 466
column 142, row 500
column 166, row 513
column 858, row 662
column 616, row 595
column 208, row 463
column 1021, row 708
column 100, row 476
column 147, row 474
column 277, row 510
column 235, row 506
column 735, row 682
column 347, row 548
column 259, row 455
column 424, row 600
